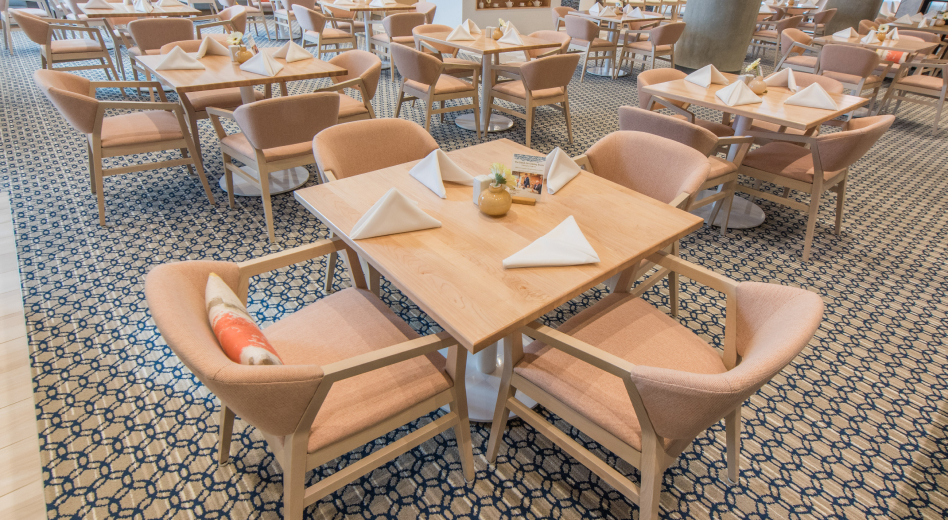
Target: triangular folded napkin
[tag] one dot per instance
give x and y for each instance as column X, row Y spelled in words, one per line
column 917, row 17
column 738, row 93
column 461, row 34
column 845, row 34
column 436, row 169
column 905, row 20
column 596, row 8
column 870, row 38
column 394, row 213
column 211, row 47
column 893, row 34
column 764, row 9
column 262, row 64
column 170, row 3
column 559, row 169
column 633, row 13
column 177, row 59
column 511, row 35
column 471, row 26
column 707, row 75
column 292, row 52
column 381, row 3
column 142, row 6
column 97, row 4
column 784, row 78
column 565, row 245
column 924, row 23
column 813, row 96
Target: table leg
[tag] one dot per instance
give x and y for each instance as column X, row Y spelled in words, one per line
column 367, row 20
column 744, row 214
column 606, row 70
column 489, row 122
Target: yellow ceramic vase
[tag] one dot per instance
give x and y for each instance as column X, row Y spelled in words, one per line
column 243, row 54
column 498, row 34
column 495, row 201
column 757, row 85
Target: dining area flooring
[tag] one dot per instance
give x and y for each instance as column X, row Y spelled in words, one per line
column 853, row 428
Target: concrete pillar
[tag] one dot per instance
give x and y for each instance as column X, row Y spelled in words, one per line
column 910, row 7
column 718, row 32
column 850, row 12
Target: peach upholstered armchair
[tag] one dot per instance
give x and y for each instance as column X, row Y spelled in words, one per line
column 854, row 67
column 254, row 15
column 73, row 50
column 445, row 53
column 796, row 45
column 284, row 15
column 929, row 84
column 584, row 35
column 363, row 71
column 150, row 127
column 770, row 38
column 150, row 34
column 7, row 23
column 644, row 386
column 559, row 16
column 509, row 69
column 428, row 9
column 275, row 134
column 398, row 31
column 229, row 20
column 660, row 44
column 823, row 166
column 318, row 32
column 352, row 371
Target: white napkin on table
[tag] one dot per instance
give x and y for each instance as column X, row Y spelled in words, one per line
column 635, row 13
column 436, row 169
column 813, row 96
column 764, row 9
column 870, row 38
column 381, row 3
column 142, row 6
column 177, row 59
column 784, row 78
column 565, row 245
column 924, row 23
column 596, row 8
column 461, row 34
column 706, row 76
column 808, row 4
column 847, row 33
column 211, row 47
column 170, row 3
column 905, row 20
column 893, row 34
column 471, row 26
column 738, row 93
column 263, row 64
column 97, row 4
column 559, row 169
column 394, row 213
column 918, row 17
column 344, row 2
column 292, row 52
column 511, row 36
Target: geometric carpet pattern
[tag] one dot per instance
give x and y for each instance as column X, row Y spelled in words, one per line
column 853, row 428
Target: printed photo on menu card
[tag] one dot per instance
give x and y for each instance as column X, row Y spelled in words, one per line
column 527, row 172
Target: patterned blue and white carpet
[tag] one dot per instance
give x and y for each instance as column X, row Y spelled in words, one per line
column 854, row 428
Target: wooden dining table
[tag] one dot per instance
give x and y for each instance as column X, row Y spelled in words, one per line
column 455, row 273
column 773, row 109
column 222, row 72
column 489, row 50
column 366, row 11
column 120, row 10
column 910, row 46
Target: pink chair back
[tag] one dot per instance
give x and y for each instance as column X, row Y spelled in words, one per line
column 791, row 36
column 581, row 29
column 70, row 95
column 632, row 119
column 824, row 17
column 830, row 85
column 554, row 36
column 654, row 77
column 433, row 28
column 395, row 141
column 287, row 120
column 310, row 19
column 401, row 24
column 237, row 16
column 415, row 65
column 186, row 46
column 428, row 9
column 550, row 72
column 359, row 64
column 560, row 12
column 151, row 33
column 668, row 34
column 847, row 59
column 36, row 29
column 867, row 25
column 841, row 149
column 788, row 23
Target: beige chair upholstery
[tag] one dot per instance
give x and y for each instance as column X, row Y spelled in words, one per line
column 395, row 141
column 770, row 38
column 364, row 69
column 543, row 81
column 644, row 386
column 345, row 20
column 424, row 78
column 319, row 33
column 229, row 20
column 796, row 45
column 398, row 31
column 656, row 76
column 353, row 371
column 928, row 83
column 854, row 67
column 660, row 43
column 283, row 16
column 73, row 50
column 559, row 16
column 445, row 53
column 253, row 13
column 584, row 35
column 867, row 25
column 150, row 34
column 148, row 127
column 428, row 9
column 8, row 23
column 821, row 167
column 275, row 134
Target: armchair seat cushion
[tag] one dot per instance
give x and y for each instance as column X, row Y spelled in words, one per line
column 330, row 33
column 802, row 61
column 785, row 159
column 402, row 40
column 222, row 98
column 928, row 82
column 596, row 43
column 766, row 33
column 851, row 79
column 240, row 144
column 517, row 90
column 347, row 26
column 626, row 327
column 140, row 128
column 345, row 324
column 349, row 107
column 77, row 45
column 446, row 85
column 646, row 46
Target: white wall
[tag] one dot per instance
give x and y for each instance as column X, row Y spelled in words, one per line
column 453, row 12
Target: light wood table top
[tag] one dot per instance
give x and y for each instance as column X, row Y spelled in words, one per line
column 455, row 273
column 364, row 6
column 895, row 45
column 222, row 72
column 939, row 29
column 484, row 45
column 120, row 10
column 772, row 109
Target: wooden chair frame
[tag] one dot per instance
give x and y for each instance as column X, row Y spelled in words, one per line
column 8, row 24
column 762, row 43
column 462, row 72
column 210, row 21
column 48, row 57
column 356, row 84
column 284, row 20
column 97, row 153
column 897, row 90
column 319, row 41
column 291, row 451
column 815, row 189
column 625, row 49
column 799, row 68
column 410, row 94
column 529, row 104
column 599, row 54
column 654, row 458
column 256, row 18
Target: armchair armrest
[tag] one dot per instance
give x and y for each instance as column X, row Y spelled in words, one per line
column 387, row 356
column 288, row 257
column 681, row 201
column 205, row 26
column 215, row 114
column 355, row 83
column 778, row 136
column 579, row 349
column 140, row 105
column 727, row 141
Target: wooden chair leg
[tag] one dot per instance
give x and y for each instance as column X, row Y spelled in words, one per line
column 652, row 476
column 463, row 430
column 199, row 166
column 582, row 75
column 265, row 195
column 229, row 181
column 294, row 476
column 477, row 117
column 92, row 185
column 184, row 154
column 812, row 215
column 99, row 188
column 427, row 110
column 531, row 111
column 398, row 104
column 840, row 201
column 731, row 187
column 330, row 272
column 505, row 392
column 225, row 433
column 569, row 122
column 732, row 427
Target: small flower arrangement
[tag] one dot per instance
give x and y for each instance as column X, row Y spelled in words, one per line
column 754, row 67
column 502, row 24
column 500, row 174
column 884, row 28
column 235, row 38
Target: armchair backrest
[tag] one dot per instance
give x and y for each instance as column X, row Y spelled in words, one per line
column 151, row 33
column 654, row 77
column 69, row 93
column 237, row 16
column 283, row 121
column 841, row 149
column 36, row 29
column 580, row 28
column 554, row 36
column 788, row 23
column 289, row 4
column 401, row 24
column 847, row 59
column 667, row 34
column 432, row 28
column 791, row 36
column 867, row 25
column 361, row 64
column 651, row 165
column 310, row 19
column 774, row 324
column 394, row 141
column 416, row 65
column 550, row 72
column 924, row 36
column 824, row 17
column 830, row 85
column 428, row 9
column 560, row 12
column 186, row 46
column 176, row 298
column 634, row 119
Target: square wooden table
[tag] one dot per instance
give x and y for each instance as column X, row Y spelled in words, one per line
column 367, row 11
column 455, row 273
column 489, row 50
column 911, row 46
column 120, row 10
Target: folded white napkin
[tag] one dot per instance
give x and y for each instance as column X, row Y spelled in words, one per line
column 596, row 8
column 262, row 64
column 905, row 20
column 461, row 34
column 437, row 168
column 784, row 78
column 635, row 13
column 97, row 4
column 211, row 47
column 292, row 52
column 870, row 38
column 918, row 17
column 893, row 34
column 381, row 3
column 511, row 36
column 813, row 96
column 766, row 10
column 344, row 2
column 847, row 33
column 559, row 169
column 142, row 6
column 808, row 4
column 177, row 59
column 565, row 245
column 924, row 23
column 471, row 26
column 738, row 93
column 394, row 213
column 170, row 3
column 885, row 11
column 706, row 76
